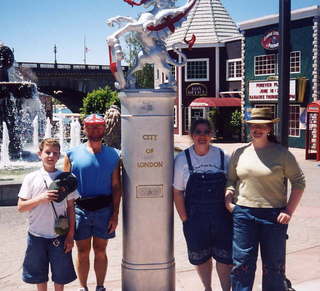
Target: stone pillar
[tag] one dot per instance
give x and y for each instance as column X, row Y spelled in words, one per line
column 147, row 153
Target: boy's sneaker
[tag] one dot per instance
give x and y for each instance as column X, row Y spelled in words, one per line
column 100, row 288
column 83, row 289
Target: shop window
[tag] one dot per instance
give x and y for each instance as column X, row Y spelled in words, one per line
column 175, row 119
column 268, row 64
column 173, row 71
column 186, row 118
column 294, row 125
column 197, row 70
column 265, row 65
column 234, row 67
column 295, row 62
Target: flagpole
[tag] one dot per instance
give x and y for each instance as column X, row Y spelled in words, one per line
column 84, row 51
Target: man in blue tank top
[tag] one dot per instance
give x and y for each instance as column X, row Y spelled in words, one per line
column 97, row 168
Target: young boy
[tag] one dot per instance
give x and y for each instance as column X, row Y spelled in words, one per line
column 44, row 245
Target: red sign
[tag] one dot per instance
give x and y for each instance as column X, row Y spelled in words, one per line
column 270, row 41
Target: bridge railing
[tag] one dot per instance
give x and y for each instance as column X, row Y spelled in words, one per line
column 63, row 66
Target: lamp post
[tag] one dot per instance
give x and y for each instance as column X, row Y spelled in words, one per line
column 55, row 55
column 284, row 69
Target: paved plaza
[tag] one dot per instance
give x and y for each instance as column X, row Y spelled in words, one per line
column 303, row 248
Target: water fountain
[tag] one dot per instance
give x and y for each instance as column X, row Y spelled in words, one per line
column 35, row 136
column 20, row 111
column 4, row 156
column 48, row 129
column 75, row 132
column 61, row 134
column 18, row 99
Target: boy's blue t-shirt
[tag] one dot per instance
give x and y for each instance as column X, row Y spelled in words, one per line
column 93, row 171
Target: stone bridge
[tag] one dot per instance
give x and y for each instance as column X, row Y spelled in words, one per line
column 69, row 83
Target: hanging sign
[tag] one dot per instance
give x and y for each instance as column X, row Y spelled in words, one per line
column 268, row 90
column 271, row 39
column 197, row 90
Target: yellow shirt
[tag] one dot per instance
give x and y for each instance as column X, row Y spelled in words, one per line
column 257, row 175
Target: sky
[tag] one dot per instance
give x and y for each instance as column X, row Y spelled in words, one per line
column 33, row 27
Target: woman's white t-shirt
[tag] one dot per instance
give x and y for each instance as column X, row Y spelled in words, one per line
column 42, row 218
column 208, row 163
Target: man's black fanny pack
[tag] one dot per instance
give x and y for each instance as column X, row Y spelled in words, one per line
column 95, row 202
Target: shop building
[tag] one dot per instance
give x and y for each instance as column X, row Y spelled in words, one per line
column 211, row 81
column 260, row 58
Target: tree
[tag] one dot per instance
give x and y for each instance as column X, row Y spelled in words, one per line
column 145, row 77
column 99, row 100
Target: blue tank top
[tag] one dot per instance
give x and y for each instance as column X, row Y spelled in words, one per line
column 93, row 171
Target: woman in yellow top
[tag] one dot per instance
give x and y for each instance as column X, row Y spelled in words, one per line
column 256, row 196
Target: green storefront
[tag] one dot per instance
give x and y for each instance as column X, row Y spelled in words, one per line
column 260, row 58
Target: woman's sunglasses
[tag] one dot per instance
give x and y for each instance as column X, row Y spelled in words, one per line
column 201, row 132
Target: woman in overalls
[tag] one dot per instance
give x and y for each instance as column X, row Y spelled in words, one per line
column 198, row 186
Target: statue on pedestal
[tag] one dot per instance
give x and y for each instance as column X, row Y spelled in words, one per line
column 151, row 28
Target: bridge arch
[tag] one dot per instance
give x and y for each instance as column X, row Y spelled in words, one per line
column 69, row 83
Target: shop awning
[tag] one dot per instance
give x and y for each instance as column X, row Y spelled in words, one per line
column 215, row 102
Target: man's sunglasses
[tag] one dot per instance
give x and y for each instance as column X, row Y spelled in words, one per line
column 202, row 132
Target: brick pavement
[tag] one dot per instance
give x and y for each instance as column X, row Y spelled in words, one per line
column 303, row 248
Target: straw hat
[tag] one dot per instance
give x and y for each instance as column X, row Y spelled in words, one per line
column 262, row 115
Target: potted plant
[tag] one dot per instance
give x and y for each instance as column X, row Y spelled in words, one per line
column 235, row 124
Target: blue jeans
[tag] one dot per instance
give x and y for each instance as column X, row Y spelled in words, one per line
column 253, row 227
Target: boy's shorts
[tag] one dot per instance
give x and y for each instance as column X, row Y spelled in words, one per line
column 209, row 237
column 40, row 253
column 93, row 223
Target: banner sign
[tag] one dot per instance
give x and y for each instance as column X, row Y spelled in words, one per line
column 268, row 90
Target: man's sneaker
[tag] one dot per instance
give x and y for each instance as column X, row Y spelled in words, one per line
column 100, row 288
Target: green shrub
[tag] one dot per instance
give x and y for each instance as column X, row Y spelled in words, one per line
column 236, row 119
column 99, row 100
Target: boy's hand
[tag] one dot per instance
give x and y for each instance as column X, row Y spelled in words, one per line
column 48, row 196
column 68, row 243
column 113, row 222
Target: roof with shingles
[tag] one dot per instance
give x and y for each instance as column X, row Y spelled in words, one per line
column 209, row 21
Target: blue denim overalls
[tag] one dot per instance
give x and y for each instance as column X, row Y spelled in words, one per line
column 208, row 229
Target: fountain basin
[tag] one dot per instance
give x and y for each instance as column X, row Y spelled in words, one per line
column 17, row 89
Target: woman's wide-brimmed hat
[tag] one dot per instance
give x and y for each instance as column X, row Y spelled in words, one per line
column 262, row 115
